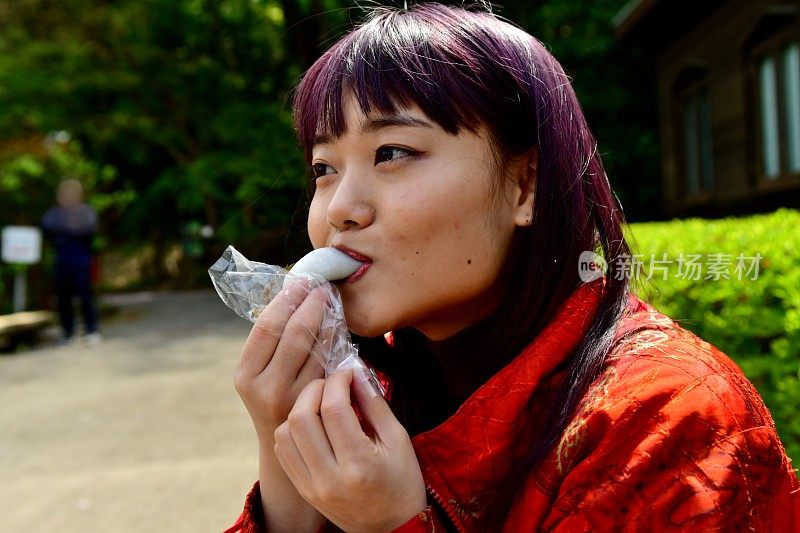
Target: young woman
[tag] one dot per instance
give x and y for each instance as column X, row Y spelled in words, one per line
column 449, row 152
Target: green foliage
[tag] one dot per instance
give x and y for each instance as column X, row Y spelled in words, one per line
column 28, row 182
column 755, row 319
column 613, row 82
column 185, row 105
column 185, row 100
column 188, row 100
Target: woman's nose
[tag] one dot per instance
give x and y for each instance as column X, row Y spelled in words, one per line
column 350, row 206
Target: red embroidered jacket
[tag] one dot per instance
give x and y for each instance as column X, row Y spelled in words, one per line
column 671, row 437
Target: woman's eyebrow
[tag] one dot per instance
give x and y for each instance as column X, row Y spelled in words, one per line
column 374, row 124
column 378, row 123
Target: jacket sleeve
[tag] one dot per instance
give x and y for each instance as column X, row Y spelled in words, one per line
column 252, row 518
column 426, row 521
column 674, row 447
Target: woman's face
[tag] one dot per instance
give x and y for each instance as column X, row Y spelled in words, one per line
column 419, row 203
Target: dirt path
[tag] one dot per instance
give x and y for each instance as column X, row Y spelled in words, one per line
column 143, row 432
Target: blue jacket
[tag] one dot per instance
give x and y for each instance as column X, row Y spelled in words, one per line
column 71, row 230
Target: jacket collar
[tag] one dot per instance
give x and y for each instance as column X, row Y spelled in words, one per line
column 464, row 456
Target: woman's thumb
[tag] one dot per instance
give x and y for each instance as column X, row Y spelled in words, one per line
column 373, row 408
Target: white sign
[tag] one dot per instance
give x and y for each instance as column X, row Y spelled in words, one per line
column 21, row 244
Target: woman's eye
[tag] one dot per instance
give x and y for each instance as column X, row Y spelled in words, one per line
column 322, row 169
column 391, row 153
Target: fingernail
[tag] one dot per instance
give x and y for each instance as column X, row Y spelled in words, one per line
column 297, row 290
column 370, row 382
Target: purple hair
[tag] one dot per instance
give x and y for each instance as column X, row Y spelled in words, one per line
column 467, row 69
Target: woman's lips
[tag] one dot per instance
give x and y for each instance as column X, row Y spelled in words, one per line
column 355, row 276
column 352, row 253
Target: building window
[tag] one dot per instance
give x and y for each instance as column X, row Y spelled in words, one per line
column 777, row 106
column 768, row 96
column 791, row 71
column 698, row 154
column 695, row 132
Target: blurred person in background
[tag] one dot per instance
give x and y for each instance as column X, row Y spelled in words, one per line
column 70, row 226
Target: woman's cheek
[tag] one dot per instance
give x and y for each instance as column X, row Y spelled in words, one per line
column 317, row 224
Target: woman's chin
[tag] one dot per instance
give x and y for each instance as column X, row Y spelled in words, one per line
column 366, row 330
column 362, row 326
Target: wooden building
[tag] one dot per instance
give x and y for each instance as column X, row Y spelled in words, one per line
column 728, row 91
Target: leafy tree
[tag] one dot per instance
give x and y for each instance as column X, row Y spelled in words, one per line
column 615, row 83
column 184, row 108
column 183, row 99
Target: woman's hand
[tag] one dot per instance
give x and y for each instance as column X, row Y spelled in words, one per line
column 275, row 365
column 363, row 479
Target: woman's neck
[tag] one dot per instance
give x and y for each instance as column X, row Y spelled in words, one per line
column 469, row 358
column 434, row 378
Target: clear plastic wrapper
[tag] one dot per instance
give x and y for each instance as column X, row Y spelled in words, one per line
column 248, row 287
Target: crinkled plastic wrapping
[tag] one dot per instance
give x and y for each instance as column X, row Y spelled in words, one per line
column 248, row 287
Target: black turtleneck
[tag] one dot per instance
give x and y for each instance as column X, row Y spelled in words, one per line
column 433, row 378
column 468, row 359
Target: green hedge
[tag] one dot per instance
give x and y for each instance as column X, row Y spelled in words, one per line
column 755, row 320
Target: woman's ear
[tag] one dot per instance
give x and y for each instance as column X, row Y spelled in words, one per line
column 527, row 174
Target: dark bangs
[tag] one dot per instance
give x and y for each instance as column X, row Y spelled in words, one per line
column 399, row 58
